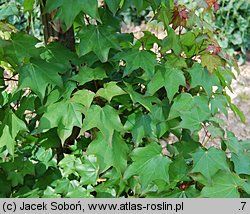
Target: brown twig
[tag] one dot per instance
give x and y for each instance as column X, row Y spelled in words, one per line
column 8, row 79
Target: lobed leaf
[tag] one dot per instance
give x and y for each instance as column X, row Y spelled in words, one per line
column 150, row 164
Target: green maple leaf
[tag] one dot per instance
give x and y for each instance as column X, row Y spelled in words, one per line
column 194, row 118
column 145, row 101
column 150, row 164
column 142, row 4
column 106, row 119
column 49, row 192
column 209, row 162
column 159, row 122
column 55, row 116
column 182, row 103
column 22, row 47
column 142, row 128
column 9, row 128
column 69, row 164
column 68, row 10
column 109, row 154
column 85, row 97
column 38, row 74
column 178, row 170
column 28, row 168
column 238, row 112
column 190, row 192
column 113, row 5
column 164, row 15
column 176, row 61
column 7, row 140
column 201, row 102
column 56, row 53
column 188, row 40
column 63, row 186
column 168, row 77
column 28, row 5
column 46, row 157
column 98, row 39
column 245, row 145
column 138, row 4
column 8, row 9
column 189, row 44
column 224, row 185
column 78, row 192
column 138, row 59
column 219, row 102
column 109, row 91
column 15, row 178
column 171, row 42
column 160, row 111
column 241, row 162
column 88, row 74
column 211, row 62
column 88, row 171
column 233, row 143
column 215, row 131
column 200, row 77
column 185, row 147
column 14, row 123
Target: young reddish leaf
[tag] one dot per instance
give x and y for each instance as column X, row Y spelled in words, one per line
column 211, row 61
column 180, row 17
column 214, row 48
column 213, row 3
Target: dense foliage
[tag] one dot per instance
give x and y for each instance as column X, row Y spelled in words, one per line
column 97, row 119
column 233, row 23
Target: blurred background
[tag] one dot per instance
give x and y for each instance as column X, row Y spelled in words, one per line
column 231, row 19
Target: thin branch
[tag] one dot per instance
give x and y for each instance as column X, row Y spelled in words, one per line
column 207, row 134
column 205, row 130
column 9, row 79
